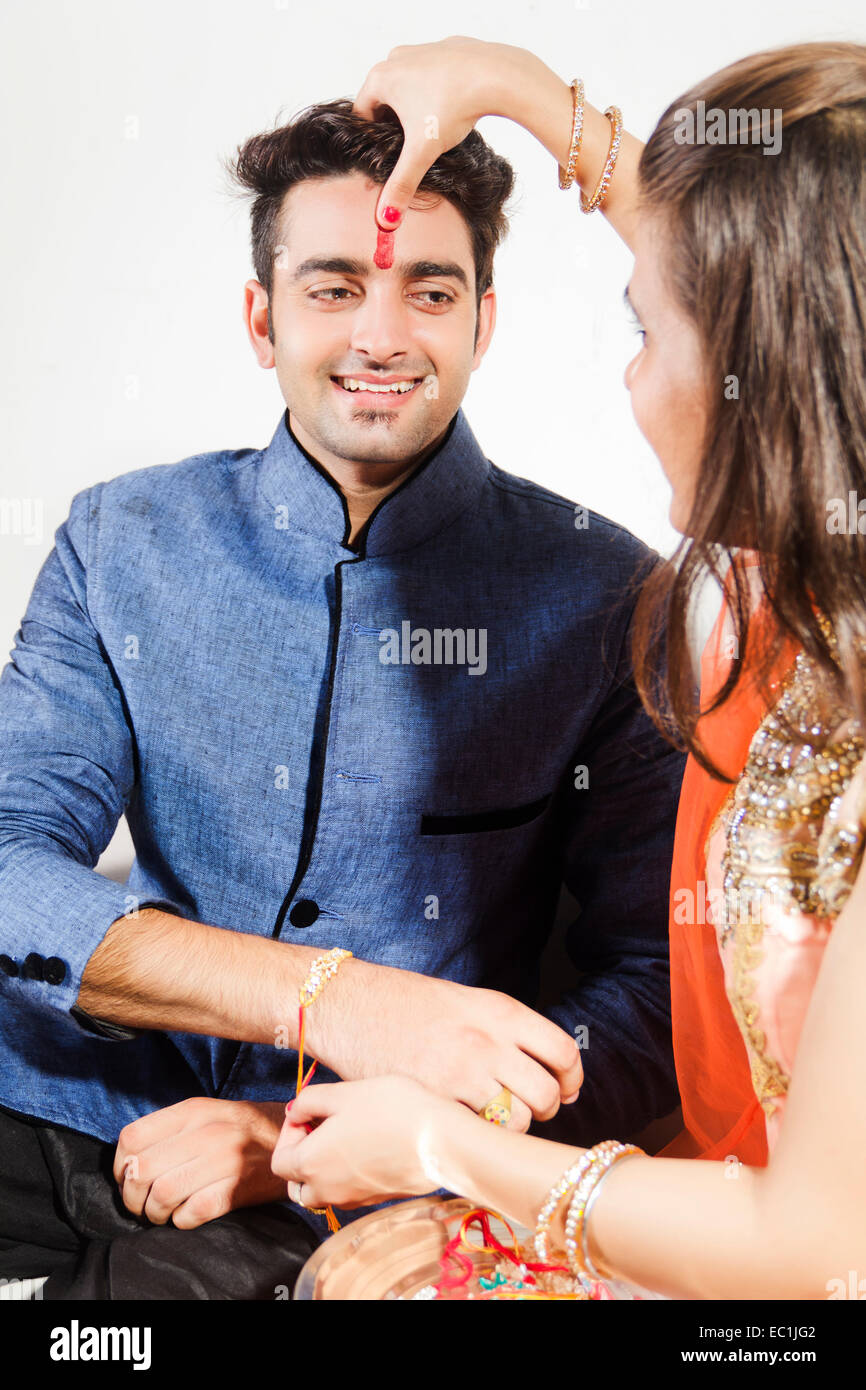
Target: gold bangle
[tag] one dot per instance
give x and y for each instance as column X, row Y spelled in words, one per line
column 614, row 115
column 587, row 1214
column 566, row 176
column 603, row 1156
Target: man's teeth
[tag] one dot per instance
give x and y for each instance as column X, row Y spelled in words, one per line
column 350, row 384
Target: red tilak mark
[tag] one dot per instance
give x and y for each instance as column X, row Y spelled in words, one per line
column 391, row 214
column 384, row 257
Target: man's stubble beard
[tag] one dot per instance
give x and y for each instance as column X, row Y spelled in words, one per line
column 355, row 445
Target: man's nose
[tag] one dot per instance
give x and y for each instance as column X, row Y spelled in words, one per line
column 380, row 326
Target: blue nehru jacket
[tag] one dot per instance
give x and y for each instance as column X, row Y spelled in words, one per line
column 404, row 749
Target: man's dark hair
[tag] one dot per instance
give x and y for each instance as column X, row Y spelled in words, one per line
column 329, row 139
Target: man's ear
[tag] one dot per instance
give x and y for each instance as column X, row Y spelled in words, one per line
column 256, row 320
column 486, row 324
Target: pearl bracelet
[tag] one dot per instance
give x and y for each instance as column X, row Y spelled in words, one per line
column 569, row 1179
column 602, row 1158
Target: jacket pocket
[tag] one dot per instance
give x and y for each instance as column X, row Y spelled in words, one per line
column 484, row 820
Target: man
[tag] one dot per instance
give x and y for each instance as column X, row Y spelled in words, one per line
column 360, row 688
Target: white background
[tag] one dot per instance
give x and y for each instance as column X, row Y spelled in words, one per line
column 124, row 254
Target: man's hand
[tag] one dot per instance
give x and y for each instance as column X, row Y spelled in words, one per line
column 199, row 1159
column 461, row 1042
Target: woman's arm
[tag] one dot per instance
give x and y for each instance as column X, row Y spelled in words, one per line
column 440, row 90
column 684, row 1227
column 700, row 1229
column 720, row 1230
column 527, row 91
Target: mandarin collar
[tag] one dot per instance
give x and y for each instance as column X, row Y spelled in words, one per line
column 447, row 482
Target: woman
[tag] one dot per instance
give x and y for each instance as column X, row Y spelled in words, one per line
column 750, row 284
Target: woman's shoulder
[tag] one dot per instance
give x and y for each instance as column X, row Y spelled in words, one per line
column 803, row 790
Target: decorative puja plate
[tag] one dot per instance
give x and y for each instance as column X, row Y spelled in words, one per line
column 394, row 1254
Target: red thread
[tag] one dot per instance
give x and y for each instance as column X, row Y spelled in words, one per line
column 452, row 1254
column 333, row 1223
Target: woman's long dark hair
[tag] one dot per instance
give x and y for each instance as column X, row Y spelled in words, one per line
column 766, row 252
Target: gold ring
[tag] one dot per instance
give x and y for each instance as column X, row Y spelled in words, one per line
column 497, row 1110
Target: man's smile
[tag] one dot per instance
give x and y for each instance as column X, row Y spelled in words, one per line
column 367, row 388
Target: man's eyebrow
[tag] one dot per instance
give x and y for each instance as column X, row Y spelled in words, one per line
column 430, row 270
column 410, row 270
column 336, row 265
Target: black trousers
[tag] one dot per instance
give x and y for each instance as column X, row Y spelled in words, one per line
column 61, row 1215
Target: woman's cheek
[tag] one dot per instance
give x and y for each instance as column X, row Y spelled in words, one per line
column 644, row 400
column 659, row 407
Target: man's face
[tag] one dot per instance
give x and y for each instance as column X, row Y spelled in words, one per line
column 336, row 316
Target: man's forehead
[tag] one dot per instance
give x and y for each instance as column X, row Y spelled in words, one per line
column 352, row 191
column 342, row 206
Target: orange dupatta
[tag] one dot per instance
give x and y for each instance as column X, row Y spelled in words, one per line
column 722, row 1115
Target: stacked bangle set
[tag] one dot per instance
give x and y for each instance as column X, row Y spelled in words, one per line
column 582, row 1180
column 566, row 176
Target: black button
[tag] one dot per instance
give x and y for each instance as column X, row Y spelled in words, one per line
column 55, row 970
column 33, row 967
column 304, row 913
column 8, row 965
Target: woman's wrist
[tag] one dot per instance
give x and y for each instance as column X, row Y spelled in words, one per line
column 524, row 89
column 444, row 1146
column 520, row 87
column 502, row 1169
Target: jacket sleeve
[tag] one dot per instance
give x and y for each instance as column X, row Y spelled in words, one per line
column 619, row 836
column 66, row 775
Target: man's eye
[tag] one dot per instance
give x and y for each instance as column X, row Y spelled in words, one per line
column 433, row 296
column 335, row 289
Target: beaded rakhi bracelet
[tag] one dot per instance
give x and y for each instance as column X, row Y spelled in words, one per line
column 320, row 972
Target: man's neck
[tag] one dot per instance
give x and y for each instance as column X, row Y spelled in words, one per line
column 363, row 485
column 363, row 497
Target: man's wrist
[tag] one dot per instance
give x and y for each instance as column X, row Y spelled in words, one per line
column 331, row 1016
column 171, row 974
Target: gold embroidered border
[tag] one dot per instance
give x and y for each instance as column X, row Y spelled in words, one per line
column 768, row 1078
column 798, row 869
